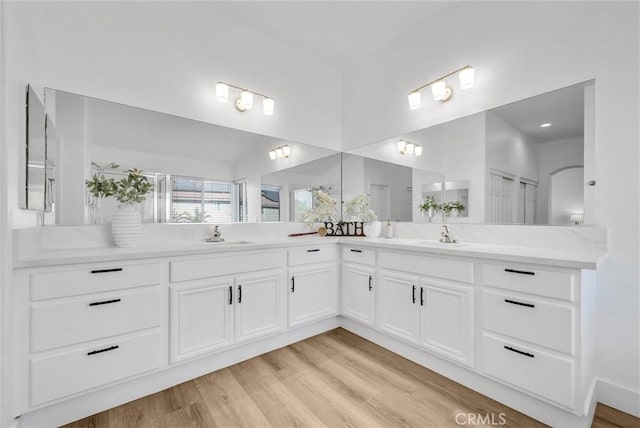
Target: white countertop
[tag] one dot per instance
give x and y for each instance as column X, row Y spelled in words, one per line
column 520, row 254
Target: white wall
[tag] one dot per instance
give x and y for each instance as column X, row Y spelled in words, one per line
column 521, row 49
column 552, row 157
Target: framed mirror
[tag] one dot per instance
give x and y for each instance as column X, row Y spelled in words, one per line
column 521, row 163
column 200, row 172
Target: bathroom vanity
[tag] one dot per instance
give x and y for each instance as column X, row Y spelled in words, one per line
column 96, row 328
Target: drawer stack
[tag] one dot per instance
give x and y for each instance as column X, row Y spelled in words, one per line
column 93, row 325
column 530, row 329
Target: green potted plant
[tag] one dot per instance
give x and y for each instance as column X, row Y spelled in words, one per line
column 430, row 206
column 457, row 208
column 129, row 191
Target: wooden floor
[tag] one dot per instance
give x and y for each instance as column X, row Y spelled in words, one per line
column 336, row 379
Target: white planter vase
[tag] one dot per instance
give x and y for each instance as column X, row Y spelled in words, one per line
column 126, row 226
column 373, row 229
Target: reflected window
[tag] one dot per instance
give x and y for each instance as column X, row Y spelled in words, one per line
column 270, row 203
column 201, row 201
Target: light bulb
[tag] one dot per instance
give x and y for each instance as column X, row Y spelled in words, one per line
column 414, row 100
column 410, row 147
column 267, row 106
column 222, row 92
column 439, row 90
column 279, row 152
column 272, row 154
column 418, row 150
column 246, row 98
column 286, row 150
column 402, row 146
column 467, row 78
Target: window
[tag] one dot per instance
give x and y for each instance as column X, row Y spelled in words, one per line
column 270, row 203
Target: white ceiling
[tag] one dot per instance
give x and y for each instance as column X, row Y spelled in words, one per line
column 340, row 33
column 563, row 108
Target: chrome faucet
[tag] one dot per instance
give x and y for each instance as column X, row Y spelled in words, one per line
column 216, row 235
column 446, row 236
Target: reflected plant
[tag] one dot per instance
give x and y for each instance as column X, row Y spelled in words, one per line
column 325, row 208
column 430, row 203
column 358, row 209
column 190, row 217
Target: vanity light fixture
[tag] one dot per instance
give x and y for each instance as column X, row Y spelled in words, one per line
column 405, row 147
column 280, row 152
column 545, row 125
column 245, row 101
column 439, row 89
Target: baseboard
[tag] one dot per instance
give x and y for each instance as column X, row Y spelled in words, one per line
column 619, row 397
column 89, row 403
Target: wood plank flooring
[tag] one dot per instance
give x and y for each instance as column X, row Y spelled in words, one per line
column 336, row 379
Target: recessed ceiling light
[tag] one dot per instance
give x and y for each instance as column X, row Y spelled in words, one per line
column 545, row 125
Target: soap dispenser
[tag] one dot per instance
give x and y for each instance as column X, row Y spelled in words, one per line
column 388, row 230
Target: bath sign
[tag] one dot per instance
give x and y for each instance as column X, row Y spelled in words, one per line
column 352, row 228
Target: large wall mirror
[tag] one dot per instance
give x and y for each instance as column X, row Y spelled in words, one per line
column 201, row 172
column 522, row 163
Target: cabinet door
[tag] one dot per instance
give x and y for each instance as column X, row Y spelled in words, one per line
column 201, row 315
column 447, row 319
column 398, row 306
column 312, row 294
column 259, row 305
column 358, row 294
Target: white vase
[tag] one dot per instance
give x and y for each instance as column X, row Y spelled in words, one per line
column 373, row 229
column 126, row 226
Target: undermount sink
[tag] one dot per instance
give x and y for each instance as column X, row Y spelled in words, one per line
column 232, row 242
column 443, row 244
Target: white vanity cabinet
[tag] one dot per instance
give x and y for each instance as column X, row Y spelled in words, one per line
column 428, row 301
column 312, row 284
column 536, row 330
column 359, row 284
column 84, row 326
column 209, row 312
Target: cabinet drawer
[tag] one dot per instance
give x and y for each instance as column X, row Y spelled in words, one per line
column 93, row 279
column 359, row 255
column 532, row 370
column 559, row 284
column 312, row 254
column 456, row 270
column 186, row 270
column 69, row 372
column 93, row 317
column 542, row 323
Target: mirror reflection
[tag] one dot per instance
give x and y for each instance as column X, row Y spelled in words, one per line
column 293, row 193
column 200, row 172
column 395, row 191
column 522, row 163
column 38, row 171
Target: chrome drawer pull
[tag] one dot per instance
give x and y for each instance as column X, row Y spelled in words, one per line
column 99, row 351
column 526, row 354
column 513, row 302
column 313, row 251
column 356, row 251
column 522, row 272
column 106, row 270
column 105, row 302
